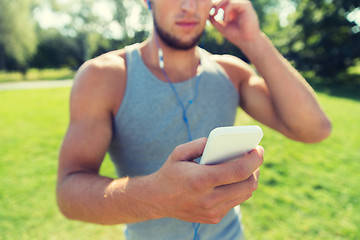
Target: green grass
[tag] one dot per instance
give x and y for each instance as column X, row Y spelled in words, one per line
column 309, row 191
column 37, row 74
column 32, row 125
column 305, row 191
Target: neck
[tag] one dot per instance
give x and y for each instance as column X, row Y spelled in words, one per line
column 179, row 64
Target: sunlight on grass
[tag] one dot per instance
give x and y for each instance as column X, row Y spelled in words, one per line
column 33, row 123
column 305, row 192
column 309, row 191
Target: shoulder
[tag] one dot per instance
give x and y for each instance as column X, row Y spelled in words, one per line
column 242, row 75
column 101, row 80
column 233, row 66
column 102, row 67
column 237, row 70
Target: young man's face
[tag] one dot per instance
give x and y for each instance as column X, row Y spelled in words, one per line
column 180, row 23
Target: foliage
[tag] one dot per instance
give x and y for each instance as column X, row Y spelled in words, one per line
column 92, row 28
column 215, row 43
column 320, row 38
column 110, row 44
column 86, row 23
column 18, row 39
column 56, row 50
column 324, row 40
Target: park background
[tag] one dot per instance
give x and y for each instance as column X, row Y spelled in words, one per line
column 306, row 191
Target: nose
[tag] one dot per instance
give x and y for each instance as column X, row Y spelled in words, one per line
column 189, row 5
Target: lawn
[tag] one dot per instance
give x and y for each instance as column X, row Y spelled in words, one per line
column 310, row 191
column 32, row 124
column 305, row 191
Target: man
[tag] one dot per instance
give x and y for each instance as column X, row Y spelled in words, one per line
column 145, row 103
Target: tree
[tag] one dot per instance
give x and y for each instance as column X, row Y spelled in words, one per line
column 89, row 24
column 18, row 39
column 56, row 50
column 85, row 24
column 322, row 39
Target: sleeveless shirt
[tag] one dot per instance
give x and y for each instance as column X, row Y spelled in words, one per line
column 149, row 125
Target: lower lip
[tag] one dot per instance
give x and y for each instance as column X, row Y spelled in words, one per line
column 187, row 26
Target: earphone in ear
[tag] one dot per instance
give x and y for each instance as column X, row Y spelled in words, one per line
column 149, row 4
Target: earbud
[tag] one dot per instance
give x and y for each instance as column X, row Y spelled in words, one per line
column 149, row 4
column 161, row 58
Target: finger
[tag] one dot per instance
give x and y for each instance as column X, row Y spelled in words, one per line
column 218, row 25
column 237, row 190
column 230, row 11
column 220, row 209
column 189, row 151
column 238, row 170
column 229, row 196
column 219, row 4
column 221, row 15
column 217, row 9
column 236, row 202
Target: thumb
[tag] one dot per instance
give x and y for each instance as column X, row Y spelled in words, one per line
column 188, row 151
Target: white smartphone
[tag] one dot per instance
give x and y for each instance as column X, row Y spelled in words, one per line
column 226, row 143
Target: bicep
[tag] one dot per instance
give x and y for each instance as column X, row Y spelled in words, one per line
column 90, row 130
column 255, row 97
column 84, row 147
column 255, row 100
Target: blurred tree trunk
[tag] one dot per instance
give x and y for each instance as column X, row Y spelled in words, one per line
column 2, row 58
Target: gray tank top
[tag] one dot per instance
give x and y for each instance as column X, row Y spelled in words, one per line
column 149, row 125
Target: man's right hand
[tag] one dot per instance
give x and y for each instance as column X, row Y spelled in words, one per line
column 192, row 192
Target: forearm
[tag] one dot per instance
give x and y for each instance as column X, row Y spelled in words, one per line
column 180, row 189
column 293, row 99
column 92, row 198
